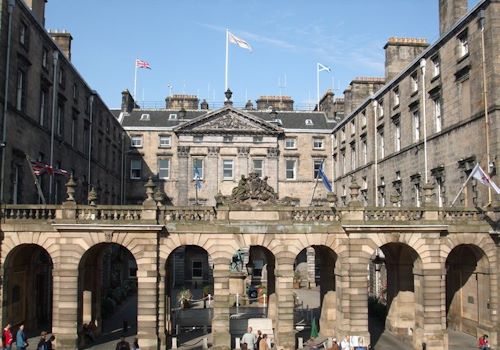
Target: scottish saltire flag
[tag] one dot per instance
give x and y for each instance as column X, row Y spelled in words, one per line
column 197, row 178
column 142, row 64
column 324, row 178
column 322, row 67
column 233, row 39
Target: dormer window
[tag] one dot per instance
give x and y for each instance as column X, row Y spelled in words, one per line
column 172, row 116
column 277, row 121
column 145, row 116
column 309, row 122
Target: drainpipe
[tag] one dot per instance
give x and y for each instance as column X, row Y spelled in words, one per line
column 122, row 171
column 55, row 59
column 91, row 121
column 375, row 144
column 424, row 119
column 3, row 144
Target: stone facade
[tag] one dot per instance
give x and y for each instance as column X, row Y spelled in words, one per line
column 440, row 97
column 41, row 112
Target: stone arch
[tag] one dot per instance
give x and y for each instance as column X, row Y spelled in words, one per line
column 28, row 287
column 42, row 239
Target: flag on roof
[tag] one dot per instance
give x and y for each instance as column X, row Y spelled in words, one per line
column 479, row 174
column 233, row 39
column 40, row 168
column 142, row 64
column 322, row 67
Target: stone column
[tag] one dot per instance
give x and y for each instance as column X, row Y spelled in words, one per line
column 162, row 308
column 65, row 302
column 183, row 178
column 284, row 328
column 220, row 321
column 433, row 301
column 147, row 302
column 272, row 168
column 211, row 172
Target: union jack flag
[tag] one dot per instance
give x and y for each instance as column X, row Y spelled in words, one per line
column 142, row 64
column 40, row 168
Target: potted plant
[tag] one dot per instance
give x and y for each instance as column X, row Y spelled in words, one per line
column 183, row 297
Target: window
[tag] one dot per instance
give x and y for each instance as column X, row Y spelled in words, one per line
column 197, row 269
column 413, row 83
column 164, row 168
column 197, row 168
column 353, row 127
column 381, row 192
column 440, row 191
column 343, row 162
column 24, row 34
column 318, row 164
column 257, row 139
column 395, row 96
column 45, row 58
column 74, row 126
column 438, row 122
column 227, row 138
column 62, row 77
column 416, row 125
column 227, row 169
column 198, row 138
column 43, row 107
column 342, row 135
column 381, row 143
column 416, row 189
column 397, row 136
column 290, row 143
column 136, row 141
column 20, row 91
column 165, row 141
column 86, row 127
column 172, row 116
column 60, row 120
column 309, row 122
column 364, row 150
column 318, row 143
column 353, row 156
column 75, row 91
column 145, row 116
column 258, row 167
column 380, row 107
column 436, row 66
column 135, row 169
column 363, row 118
column 291, row 169
column 463, row 44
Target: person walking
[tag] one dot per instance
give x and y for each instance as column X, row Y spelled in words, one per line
column 123, row 344
column 484, row 344
column 249, row 338
column 135, row 346
column 263, row 343
column 7, row 338
column 42, row 343
column 334, row 346
column 50, row 345
column 259, row 337
column 21, row 340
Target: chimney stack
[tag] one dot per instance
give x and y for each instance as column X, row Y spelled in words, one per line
column 399, row 52
column 63, row 41
column 182, row 101
column 450, row 11
column 280, row 103
column 128, row 103
column 37, row 9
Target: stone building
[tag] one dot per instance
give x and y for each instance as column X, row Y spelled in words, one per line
column 285, row 146
column 425, row 121
column 50, row 114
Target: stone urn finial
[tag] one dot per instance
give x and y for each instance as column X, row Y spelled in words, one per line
column 92, row 197
column 428, row 193
column 70, row 189
column 159, row 196
column 150, row 185
column 218, row 199
column 354, row 187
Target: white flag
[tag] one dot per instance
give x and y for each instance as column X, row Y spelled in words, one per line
column 479, row 174
column 322, row 67
column 233, row 39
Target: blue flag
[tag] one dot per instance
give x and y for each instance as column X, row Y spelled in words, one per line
column 197, row 178
column 325, row 180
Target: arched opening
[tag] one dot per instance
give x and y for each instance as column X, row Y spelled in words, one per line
column 315, row 292
column 107, row 294
column 27, row 288
column 189, row 293
column 468, row 292
column 395, row 296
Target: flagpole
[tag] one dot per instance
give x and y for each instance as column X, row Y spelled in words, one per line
column 317, row 85
column 35, row 179
column 227, row 60
column 135, row 78
column 465, row 184
column 316, row 183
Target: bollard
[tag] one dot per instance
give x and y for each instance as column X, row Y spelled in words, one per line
column 205, row 343
column 237, row 343
column 301, row 343
column 265, row 299
column 174, row 343
column 329, row 343
column 237, row 299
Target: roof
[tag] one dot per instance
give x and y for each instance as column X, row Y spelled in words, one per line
column 296, row 120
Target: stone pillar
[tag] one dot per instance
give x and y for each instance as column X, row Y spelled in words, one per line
column 65, row 302
column 147, row 302
column 162, row 308
column 211, row 172
column 183, row 178
column 272, row 168
column 434, row 319
column 284, row 331
column 220, row 321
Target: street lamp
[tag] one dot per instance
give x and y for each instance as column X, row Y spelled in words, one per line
column 378, row 261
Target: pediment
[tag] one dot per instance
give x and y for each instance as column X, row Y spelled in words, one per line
column 228, row 120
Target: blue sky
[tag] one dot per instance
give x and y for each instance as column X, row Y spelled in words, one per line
column 184, row 41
